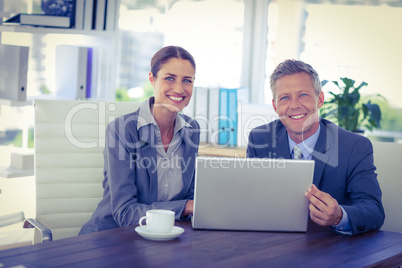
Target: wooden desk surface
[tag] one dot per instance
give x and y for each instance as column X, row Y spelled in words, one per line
column 123, row 247
column 220, row 150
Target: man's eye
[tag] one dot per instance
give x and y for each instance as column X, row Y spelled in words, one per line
column 169, row 78
column 188, row 81
column 284, row 98
column 303, row 95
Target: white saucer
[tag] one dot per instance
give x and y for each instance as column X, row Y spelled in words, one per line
column 176, row 232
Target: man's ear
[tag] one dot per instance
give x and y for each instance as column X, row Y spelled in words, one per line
column 274, row 104
column 320, row 100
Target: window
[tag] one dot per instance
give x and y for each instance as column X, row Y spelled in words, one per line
column 355, row 39
column 212, row 31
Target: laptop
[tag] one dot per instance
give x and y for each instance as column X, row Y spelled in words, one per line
column 251, row 194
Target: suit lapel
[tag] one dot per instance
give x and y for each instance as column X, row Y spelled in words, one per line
column 320, row 155
column 188, row 155
column 281, row 138
column 149, row 158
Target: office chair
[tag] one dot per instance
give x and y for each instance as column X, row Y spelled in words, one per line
column 10, row 237
column 387, row 158
column 69, row 141
column 12, row 218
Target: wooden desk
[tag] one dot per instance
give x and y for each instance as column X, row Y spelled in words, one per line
column 219, row 150
column 123, row 247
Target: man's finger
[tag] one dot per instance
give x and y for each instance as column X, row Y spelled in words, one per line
column 322, row 196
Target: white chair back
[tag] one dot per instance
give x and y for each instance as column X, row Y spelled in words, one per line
column 387, row 159
column 69, row 142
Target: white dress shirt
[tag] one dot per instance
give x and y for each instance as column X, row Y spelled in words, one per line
column 170, row 181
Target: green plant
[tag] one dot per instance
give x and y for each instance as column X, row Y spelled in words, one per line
column 391, row 116
column 349, row 109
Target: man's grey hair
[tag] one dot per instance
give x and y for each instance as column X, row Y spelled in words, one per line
column 289, row 67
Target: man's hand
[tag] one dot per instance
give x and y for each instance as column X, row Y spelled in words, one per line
column 189, row 208
column 324, row 210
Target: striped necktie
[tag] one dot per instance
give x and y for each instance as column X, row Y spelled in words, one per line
column 297, row 153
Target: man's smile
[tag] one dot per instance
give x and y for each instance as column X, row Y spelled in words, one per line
column 297, row 116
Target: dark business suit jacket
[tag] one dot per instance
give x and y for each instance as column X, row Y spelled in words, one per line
column 344, row 168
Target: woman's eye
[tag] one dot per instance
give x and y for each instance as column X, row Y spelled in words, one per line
column 284, row 98
column 303, row 95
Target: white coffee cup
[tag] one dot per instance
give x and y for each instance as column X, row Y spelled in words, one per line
column 158, row 221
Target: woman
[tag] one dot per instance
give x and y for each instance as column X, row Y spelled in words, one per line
column 150, row 153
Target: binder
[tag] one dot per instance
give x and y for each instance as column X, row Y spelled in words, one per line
column 213, row 115
column 72, row 71
column 88, row 14
column 100, row 15
column 228, row 117
column 112, row 7
column 250, row 116
column 201, row 111
column 13, row 72
column 89, row 68
column 79, row 14
column 223, row 117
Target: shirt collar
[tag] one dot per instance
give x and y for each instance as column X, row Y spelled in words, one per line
column 145, row 117
column 306, row 146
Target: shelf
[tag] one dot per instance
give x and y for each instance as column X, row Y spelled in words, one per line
column 7, row 172
column 50, row 30
column 31, row 99
column 13, row 103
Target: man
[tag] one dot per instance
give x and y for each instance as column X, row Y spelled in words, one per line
column 345, row 193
